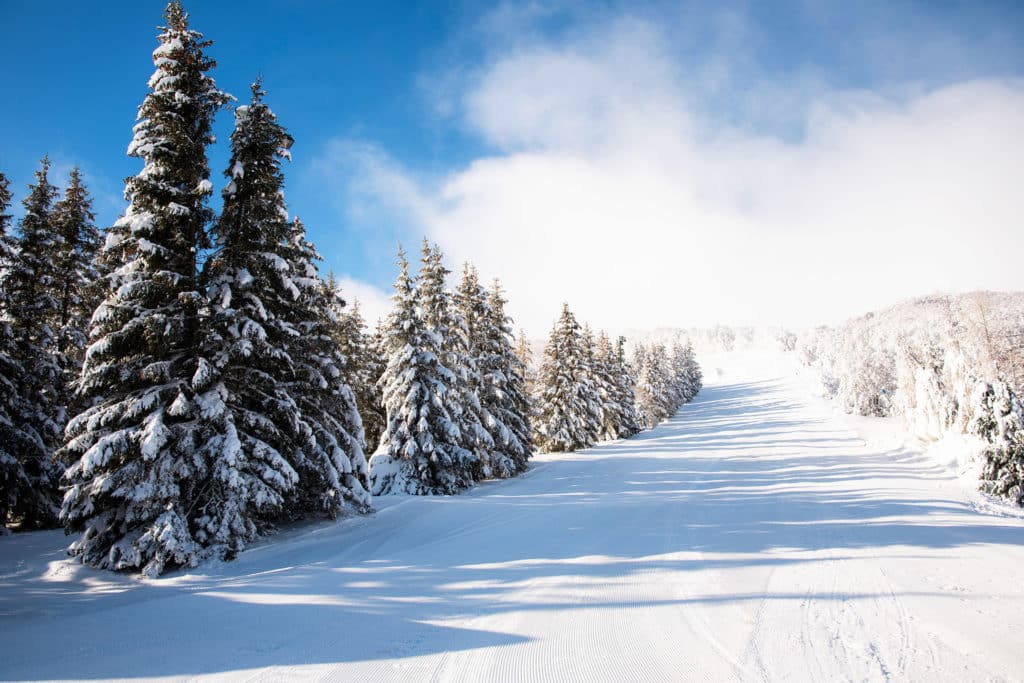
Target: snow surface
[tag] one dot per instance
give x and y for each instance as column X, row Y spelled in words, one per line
column 756, row 535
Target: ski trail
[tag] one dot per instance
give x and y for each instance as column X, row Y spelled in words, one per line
column 755, row 536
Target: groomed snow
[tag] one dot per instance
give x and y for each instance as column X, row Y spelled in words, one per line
column 757, row 535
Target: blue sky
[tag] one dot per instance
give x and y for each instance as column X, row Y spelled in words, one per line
column 448, row 118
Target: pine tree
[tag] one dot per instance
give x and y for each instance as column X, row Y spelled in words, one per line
column 686, row 372
column 142, row 450
column 470, row 316
column 605, row 380
column 625, row 383
column 31, row 312
column 332, row 467
column 26, row 482
column 592, row 385
column 504, row 393
column 563, row 399
column 78, row 287
column 373, row 367
column 653, row 387
column 999, row 419
column 525, row 355
column 251, row 295
column 363, row 366
column 421, row 450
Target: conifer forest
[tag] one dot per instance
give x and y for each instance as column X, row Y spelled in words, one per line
column 660, row 340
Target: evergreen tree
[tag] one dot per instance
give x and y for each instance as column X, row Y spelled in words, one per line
column 564, row 399
column 31, row 314
column 999, row 419
column 525, row 355
column 504, row 393
column 142, row 450
column 26, row 479
column 687, row 371
column 332, row 468
column 78, row 287
column 592, row 385
column 373, row 368
column 467, row 345
column 625, row 383
column 251, row 294
column 653, row 386
column 606, row 384
column 421, row 451
column 442, row 318
column 363, row 366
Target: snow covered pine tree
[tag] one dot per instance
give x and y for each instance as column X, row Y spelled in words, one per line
column 138, row 467
column 565, row 397
column 504, row 391
column 250, row 293
column 35, row 407
column 421, row 451
column 332, row 467
column 78, row 290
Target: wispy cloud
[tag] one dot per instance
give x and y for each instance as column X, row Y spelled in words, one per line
column 613, row 185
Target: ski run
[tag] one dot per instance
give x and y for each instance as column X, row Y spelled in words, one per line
column 756, row 535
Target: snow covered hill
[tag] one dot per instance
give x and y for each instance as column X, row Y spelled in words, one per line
column 757, row 535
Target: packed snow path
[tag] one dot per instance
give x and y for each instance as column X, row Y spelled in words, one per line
column 751, row 537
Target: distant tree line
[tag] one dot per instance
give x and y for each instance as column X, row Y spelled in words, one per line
column 945, row 365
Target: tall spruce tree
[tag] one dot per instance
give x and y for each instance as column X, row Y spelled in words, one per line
column 26, row 476
column 592, row 385
column 250, row 299
column 625, row 383
column 524, row 352
column 141, row 451
column 563, row 396
column 467, row 342
column 607, row 388
column 421, row 450
column 363, row 366
column 332, row 468
column 442, row 317
column 32, row 313
column 78, row 288
column 504, row 393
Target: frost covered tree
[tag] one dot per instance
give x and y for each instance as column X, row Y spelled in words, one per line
column 524, row 352
column 686, row 374
column 999, row 419
column 363, row 367
column 251, row 295
column 466, row 341
column 332, row 467
column 615, row 387
column 27, row 479
column 564, row 395
column 625, row 383
column 654, row 401
column 503, row 390
column 31, row 317
column 140, row 453
column 78, row 289
column 592, row 385
column 421, row 450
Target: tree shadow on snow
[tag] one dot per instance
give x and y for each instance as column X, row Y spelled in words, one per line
column 731, row 478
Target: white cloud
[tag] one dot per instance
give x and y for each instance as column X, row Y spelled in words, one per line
column 374, row 303
column 613, row 192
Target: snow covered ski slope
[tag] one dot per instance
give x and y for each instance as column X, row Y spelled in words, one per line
column 754, row 536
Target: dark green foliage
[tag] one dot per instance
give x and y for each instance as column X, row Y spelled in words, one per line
column 35, row 410
column 142, row 449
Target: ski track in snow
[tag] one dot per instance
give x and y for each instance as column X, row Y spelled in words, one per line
column 755, row 536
